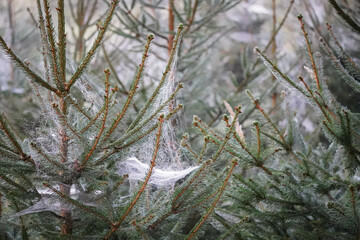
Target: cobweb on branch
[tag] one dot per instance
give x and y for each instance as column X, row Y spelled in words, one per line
column 162, row 178
column 170, row 164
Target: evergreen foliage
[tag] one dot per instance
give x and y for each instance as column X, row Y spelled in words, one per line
column 95, row 168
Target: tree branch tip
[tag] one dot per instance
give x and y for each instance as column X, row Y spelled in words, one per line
column 238, row 108
column 107, row 71
column 207, row 138
column 185, row 135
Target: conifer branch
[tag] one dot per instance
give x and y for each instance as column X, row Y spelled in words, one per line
column 314, row 98
column 191, row 19
column 258, row 107
column 203, row 149
column 354, row 207
column 143, row 124
column 106, row 108
column 275, row 33
column 161, row 83
column 3, row 145
column 170, row 38
column 78, row 204
column 53, row 49
column 201, row 169
column 228, row 134
column 257, row 161
column 6, row 128
column 331, row 54
column 123, row 88
column 200, row 203
column 62, row 41
column 10, row 154
column 132, row 141
column 44, row 42
column 46, row 157
column 198, row 120
column 116, row 225
column 78, row 108
column 308, row 44
column 174, row 205
column 13, row 183
column 275, row 70
column 25, row 68
column 228, row 147
column 340, row 47
column 258, row 137
column 94, row 47
column 63, row 119
column 272, row 153
column 213, row 205
column 253, row 187
column 133, row 89
column 355, row 26
column 117, row 185
column 139, row 230
column 184, row 143
column 334, row 206
column 152, row 116
column 93, row 120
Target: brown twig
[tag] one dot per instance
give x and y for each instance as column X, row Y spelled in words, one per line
column 97, row 138
column 213, row 205
column 300, row 18
column 116, row 226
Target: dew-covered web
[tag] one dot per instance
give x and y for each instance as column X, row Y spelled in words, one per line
column 170, row 165
column 45, row 133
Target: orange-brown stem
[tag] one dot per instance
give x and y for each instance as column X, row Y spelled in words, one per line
column 171, row 27
column 65, row 213
column 300, row 17
column 191, row 182
column 63, row 119
column 191, row 19
column 116, row 226
column 97, row 138
column 313, row 97
column 258, row 138
column 133, row 89
column 213, row 205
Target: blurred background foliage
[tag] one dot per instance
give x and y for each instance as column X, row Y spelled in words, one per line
column 215, row 60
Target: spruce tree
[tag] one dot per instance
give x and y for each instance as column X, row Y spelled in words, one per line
column 297, row 189
column 99, row 164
